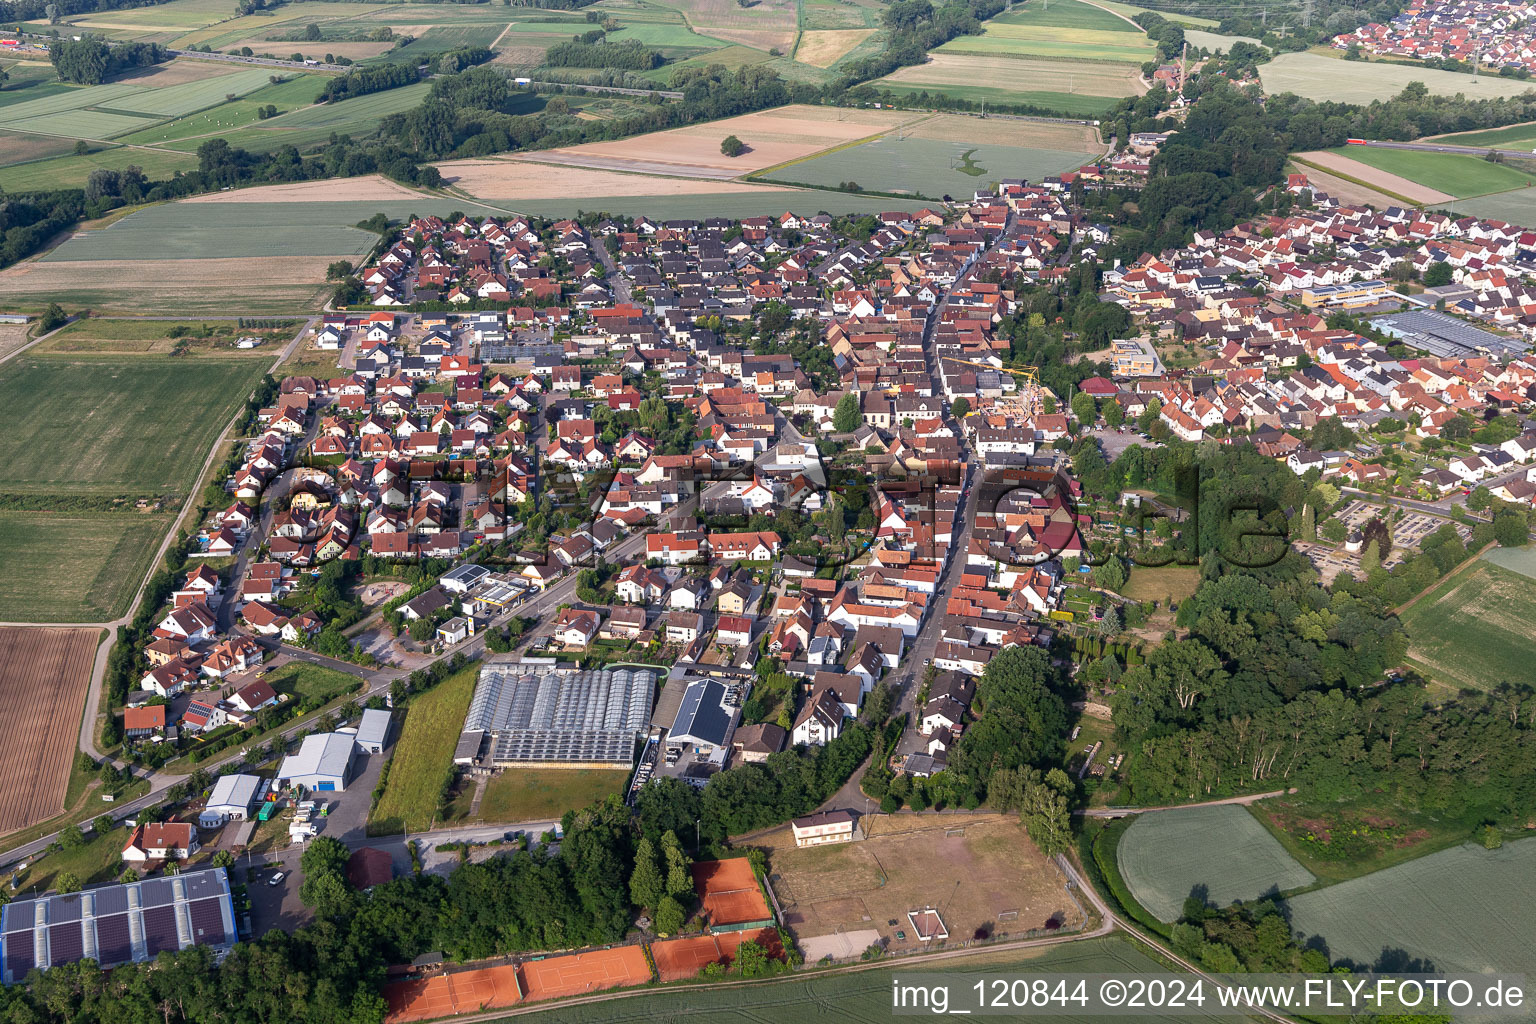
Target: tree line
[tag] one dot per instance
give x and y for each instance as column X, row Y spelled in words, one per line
column 91, row 61
column 363, row 80
column 629, row 55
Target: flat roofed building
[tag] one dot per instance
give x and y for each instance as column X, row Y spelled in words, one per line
column 822, row 828
column 323, row 763
column 373, row 731
column 231, row 800
column 703, row 719
column 538, row 715
column 117, row 924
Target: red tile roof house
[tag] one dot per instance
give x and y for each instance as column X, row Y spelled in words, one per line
column 139, row 723
column 161, row 841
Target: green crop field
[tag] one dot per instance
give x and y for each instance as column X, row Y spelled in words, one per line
column 1321, row 78
column 1450, row 173
column 1474, row 629
column 926, row 167
column 1066, row 103
column 83, row 124
column 360, row 113
column 1067, row 30
column 74, row 566
column 72, row 171
column 1179, row 18
column 219, row 121
column 665, row 35
column 422, row 763
column 440, row 39
column 175, row 231
column 32, row 87
column 1164, row 856
column 1520, row 560
column 1516, row 136
column 537, row 794
column 1464, row 909
column 78, row 425
column 859, row 997
column 1518, row 206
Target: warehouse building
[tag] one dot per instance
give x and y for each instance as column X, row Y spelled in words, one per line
column 323, row 763
column 539, row 714
column 373, row 731
column 232, row 798
column 117, row 924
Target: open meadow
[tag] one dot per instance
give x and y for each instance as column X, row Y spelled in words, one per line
column 422, row 763
column 1065, row 30
column 1317, row 77
column 188, row 339
column 1518, row 206
column 1343, row 164
column 764, row 25
column 1079, row 89
column 537, row 794
column 984, row 873
column 1474, row 629
column 1464, row 909
column 1515, row 136
column 43, row 678
column 1447, row 173
column 1166, row 856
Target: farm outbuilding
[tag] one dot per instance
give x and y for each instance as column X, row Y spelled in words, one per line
column 323, row 763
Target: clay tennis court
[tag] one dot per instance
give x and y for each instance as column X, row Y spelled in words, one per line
column 679, row 959
column 581, row 973
column 489, row 988
column 41, row 734
column 729, row 892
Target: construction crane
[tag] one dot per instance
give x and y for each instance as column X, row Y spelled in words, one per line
column 1029, row 381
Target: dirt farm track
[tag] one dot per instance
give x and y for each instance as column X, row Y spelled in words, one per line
column 43, row 678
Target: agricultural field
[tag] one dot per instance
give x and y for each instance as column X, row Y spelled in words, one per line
column 84, row 425
column 292, row 94
column 178, row 287
column 825, row 47
column 1474, row 629
column 1464, row 909
column 859, row 997
column 772, row 137
column 73, row 171
column 1516, row 136
column 764, row 202
column 176, row 231
column 1325, row 78
column 1342, row 188
column 1166, row 856
column 509, row 180
column 932, row 158
column 187, row 339
column 820, row 15
column 65, row 566
column 1214, row 41
column 538, row 794
column 422, row 763
column 1179, row 18
column 41, row 733
column 1067, row 30
column 1074, row 89
column 765, row 25
column 1518, row 206
column 984, row 871
column 1447, row 173
column 1371, row 177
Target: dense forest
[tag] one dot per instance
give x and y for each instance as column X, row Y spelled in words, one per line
column 626, row 56
column 361, row 81
column 91, row 61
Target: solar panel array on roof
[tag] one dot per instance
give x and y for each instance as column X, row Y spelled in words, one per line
column 537, row 714
column 105, row 922
column 160, row 930
column 1444, row 335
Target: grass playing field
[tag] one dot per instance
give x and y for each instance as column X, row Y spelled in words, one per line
column 1324, row 78
column 1474, row 629
column 1166, row 856
column 537, row 794
column 84, row 425
column 74, row 566
column 1455, row 175
column 1463, row 909
column 1066, row 30
column 422, row 762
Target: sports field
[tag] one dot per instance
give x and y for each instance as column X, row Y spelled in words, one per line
column 85, row 425
column 66, row 566
column 43, row 678
column 729, row 892
column 1474, row 629
column 1066, row 30
column 1166, row 856
column 683, row 959
column 857, row 997
column 539, row 794
column 1325, row 78
column 1454, row 175
column 422, row 763
column 1463, row 909
column 1078, row 89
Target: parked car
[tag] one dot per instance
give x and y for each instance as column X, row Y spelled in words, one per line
column 277, row 879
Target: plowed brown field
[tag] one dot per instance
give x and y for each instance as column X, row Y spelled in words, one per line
column 43, row 678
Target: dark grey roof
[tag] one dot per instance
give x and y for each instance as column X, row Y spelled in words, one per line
column 702, row 717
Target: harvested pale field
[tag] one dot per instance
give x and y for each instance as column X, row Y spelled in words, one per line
column 370, row 188
column 1371, row 176
column 493, row 178
column 520, row 56
column 317, row 48
column 772, row 137
column 824, row 48
column 40, row 736
column 179, row 72
column 1321, row 78
column 994, row 132
column 1019, row 74
column 1345, row 190
column 194, row 287
column 12, row 337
